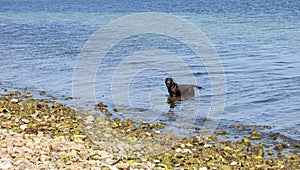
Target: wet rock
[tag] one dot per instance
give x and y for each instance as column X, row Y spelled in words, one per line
column 14, row 100
column 220, row 132
column 90, row 119
column 255, row 135
column 42, row 93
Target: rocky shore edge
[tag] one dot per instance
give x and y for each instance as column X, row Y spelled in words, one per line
column 44, row 134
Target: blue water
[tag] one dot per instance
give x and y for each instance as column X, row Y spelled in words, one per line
column 257, row 41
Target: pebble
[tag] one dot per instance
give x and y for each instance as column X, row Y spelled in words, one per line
column 207, row 145
column 203, row 168
column 123, row 166
column 187, row 151
column 5, row 163
column 90, row 119
column 148, row 133
column 233, row 163
column 14, row 100
column 156, row 161
column 178, row 150
column 23, row 127
column 157, row 132
column 25, row 121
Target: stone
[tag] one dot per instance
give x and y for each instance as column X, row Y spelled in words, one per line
column 25, row 121
column 7, row 125
column 23, row 127
column 123, row 166
column 148, row 133
column 156, row 161
column 207, row 145
column 14, row 100
column 203, row 168
column 5, row 163
column 90, row 119
column 178, row 150
column 187, row 151
column 233, row 163
column 157, row 132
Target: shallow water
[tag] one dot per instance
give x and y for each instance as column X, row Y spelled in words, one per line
column 258, row 44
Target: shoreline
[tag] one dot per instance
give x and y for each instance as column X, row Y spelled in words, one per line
column 39, row 133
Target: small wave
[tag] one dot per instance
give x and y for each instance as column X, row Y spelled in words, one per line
column 265, row 100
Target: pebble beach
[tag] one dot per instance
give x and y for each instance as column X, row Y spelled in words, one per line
column 44, row 134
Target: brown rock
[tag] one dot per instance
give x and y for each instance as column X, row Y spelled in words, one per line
column 123, row 166
column 6, row 125
column 54, row 147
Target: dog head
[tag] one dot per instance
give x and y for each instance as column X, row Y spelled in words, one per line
column 169, row 82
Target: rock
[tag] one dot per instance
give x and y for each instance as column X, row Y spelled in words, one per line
column 157, row 132
column 144, row 166
column 255, row 135
column 25, row 121
column 90, row 119
column 208, row 146
column 54, row 147
column 123, row 166
column 178, row 150
column 14, row 100
column 156, row 161
column 69, row 162
column 220, row 132
column 116, row 110
column 5, row 163
column 148, row 133
column 23, row 127
column 113, row 168
column 79, row 137
column 203, row 168
column 7, row 125
column 194, row 161
column 161, row 165
column 189, row 145
column 187, row 151
column 233, row 163
column 42, row 93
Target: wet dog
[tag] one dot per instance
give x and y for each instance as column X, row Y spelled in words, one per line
column 180, row 90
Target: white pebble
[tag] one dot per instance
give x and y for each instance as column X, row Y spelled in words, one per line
column 178, row 150
column 233, row 163
column 25, row 121
column 207, row 146
column 148, row 133
column 5, row 164
column 156, row 161
column 14, row 100
column 187, row 150
column 23, row 127
column 157, row 132
column 203, row 168
column 90, row 119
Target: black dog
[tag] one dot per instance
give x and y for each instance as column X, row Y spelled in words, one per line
column 178, row 90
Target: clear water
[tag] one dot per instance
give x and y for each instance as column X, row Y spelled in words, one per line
column 257, row 41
